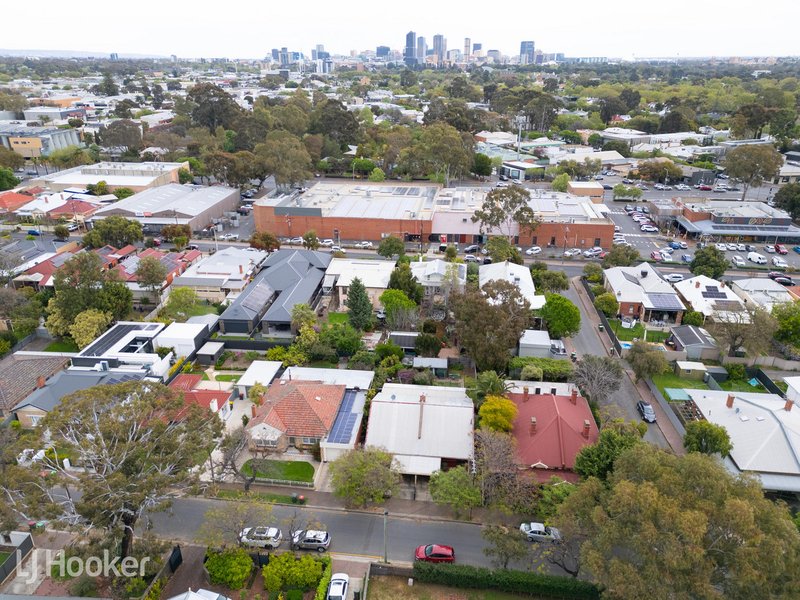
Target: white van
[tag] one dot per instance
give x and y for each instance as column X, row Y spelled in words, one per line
column 757, row 258
column 738, row 261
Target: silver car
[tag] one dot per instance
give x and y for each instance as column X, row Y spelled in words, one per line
column 538, row 532
column 261, row 537
column 310, row 539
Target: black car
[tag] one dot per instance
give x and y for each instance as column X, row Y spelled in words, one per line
column 646, row 410
column 607, row 187
column 472, row 249
column 787, row 281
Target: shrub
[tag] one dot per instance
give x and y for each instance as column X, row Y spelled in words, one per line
column 230, row 567
column 135, row 587
column 429, row 326
column 531, row 373
column 423, row 378
column 521, row 582
column 156, row 590
column 553, row 369
column 286, row 572
column 735, row 371
column 362, row 359
column 322, row 586
column 84, row 586
column 427, row 344
column 598, row 290
column 388, row 349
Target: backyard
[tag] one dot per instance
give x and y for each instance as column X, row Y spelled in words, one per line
column 65, row 345
column 397, row 588
column 670, row 380
column 337, row 317
column 288, row 470
column 637, row 332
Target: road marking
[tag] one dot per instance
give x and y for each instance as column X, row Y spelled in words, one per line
column 355, row 557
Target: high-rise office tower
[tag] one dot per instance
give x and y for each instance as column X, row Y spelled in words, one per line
column 467, row 45
column 477, row 47
column 382, row 51
column 410, row 52
column 527, row 53
column 440, row 48
column 422, row 49
column 275, row 54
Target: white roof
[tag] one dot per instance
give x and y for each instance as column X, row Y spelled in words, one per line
column 519, row 275
column 693, row 291
column 260, row 371
column 44, row 203
column 228, row 265
column 351, row 379
column 432, row 272
column 688, row 365
column 200, row 594
column 372, row 273
column 534, row 337
column 765, row 436
column 765, row 292
column 173, row 200
column 446, row 426
column 629, row 284
column 180, row 331
column 114, row 174
column 793, row 388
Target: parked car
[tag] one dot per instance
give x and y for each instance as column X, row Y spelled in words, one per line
column 781, row 249
column 338, row 249
column 435, row 553
column 261, row 537
column 741, row 248
column 34, row 232
column 733, row 247
column 674, row 277
column 533, row 250
column 327, row 243
column 628, row 208
column 572, row 252
column 796, row 249
column 787, row 281
column 703, row 187
column 776, row 274
column 757, row 258
column 722, row 176
column 310, row 539
column 738, row 261
column 722, row 247
column 686, row 258
column 656, row 256
column 720, row 189
column 627, row 181
column 608, row 187
column 769, row 249
column 646, row 410
column 777, row 261
column 471, row 258
column 538, row 532
column 472, row 249
column 649, row 228
column 682, row 187
column 592, row 252
column 337, row 588
column 667, row 250
column 363, row 244
column 296, row 240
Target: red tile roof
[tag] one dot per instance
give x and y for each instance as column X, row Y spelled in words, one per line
column 11, row 201
column 186, row 383
column 74, row 207
column 300, row 409
column 559, row 432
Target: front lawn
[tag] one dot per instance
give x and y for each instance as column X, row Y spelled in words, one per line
column 227, row 377
column 337, row 317
column 637, row 332
column 289, row 470
column 670, row 380
column 397, row 588
column 254, row 496
column 62, row 346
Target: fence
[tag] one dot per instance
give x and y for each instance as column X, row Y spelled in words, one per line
column 764, row 361
column 16, row 556
column 389, row 570
column 260, row 345
column 766, row 381
column 603, row 319
column 667, row 407
column 170, row 565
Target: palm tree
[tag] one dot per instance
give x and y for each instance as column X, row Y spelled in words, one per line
column 489, row 383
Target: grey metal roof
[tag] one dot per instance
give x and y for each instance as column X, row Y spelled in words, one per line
column 690, row 335
column 67, row 382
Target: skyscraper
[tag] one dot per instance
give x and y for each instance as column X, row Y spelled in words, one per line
column 477, row 47
column 382, row 51
column 410, row 52
column 467, row 45
column 440, row 48
column 422, row 50
column 527, row 53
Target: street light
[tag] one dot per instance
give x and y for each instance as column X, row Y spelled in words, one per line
column 385, row 519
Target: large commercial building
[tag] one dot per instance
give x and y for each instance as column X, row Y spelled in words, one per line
column 427, row 213
column 136, row 176
column 175, row 204
column 734, row 220
column 410, row 50
column 33, row 142
column 527, row 52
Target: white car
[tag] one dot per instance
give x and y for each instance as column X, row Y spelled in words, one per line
column 674, row 277
column 757, row 258
column 261, row 537
column 363, row 244
column 733, row 247
column 337, row 589
column 338, row 249
column 296, row 240
column 533, row 250
column 682, row 187
column 538, row 532
column 770, row 249
column 471, row 258
column 649, row 228
column 722, row 247
column 666, row 250
column 779, row 262
column 741, row 247
column 572, row 252
column 738, row 261
column 327, row 243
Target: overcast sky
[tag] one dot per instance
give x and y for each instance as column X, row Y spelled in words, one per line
column 250, row 28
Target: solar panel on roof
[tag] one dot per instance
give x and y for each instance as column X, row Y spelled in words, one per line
column 342, row 429
column 665, row 301
column 256, row 299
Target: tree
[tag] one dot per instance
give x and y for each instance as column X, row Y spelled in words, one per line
column 139, row 445
column 364, row 476
column 180, row 303
column 498, row 413
column 560, row 182
column 710, row 262
column 499, row 303
column 310, row 240
column 391, row 246
column 455, row 487
column 7, row 179
column 71, row 156
column 264, row 240
column 621, row 256
column 541, row 111
column 122, row 133
column 10, row 159
column 787, row 317
column 788, row 198
column 88, row 326
column 395, row 300
column 151, row 275
column 106, row 87
column 303, row 316
column 333, row 120
column 170, row 232
column 623, row 191
column 618, row 146
column 359, row 306
column 682, row 527
column 752, row 165
column 61, row 232
column 113, row 231
column 489, row 383
column 752, row 328
column 610, row 107
column 607, row 304
column 427, row 344
column 595, row 140
column 630, row 98
column 500, row 249
column 506, row 211
column 561, row 316
column 659, row 170
column 496, row 472
column 504, row 545
column 708, row 438
column 222, row 525
column 615, row 438
column 692, row 317
column 598, row 376
column 482, row 165
column 212, row 106
column 404, row 280
column 550, row 282
column 285, row 157
column 646, row 361
column 377, row 175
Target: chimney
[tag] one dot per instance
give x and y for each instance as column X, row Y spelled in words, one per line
column 241, row 269
column 525, row 394
column 533, row 425
column 788, row 406
column 586, row 427
column 40, row 381
column 573, row 397
column 729, row 401
column 253, row 411
column 421, row 409
column 697, row 284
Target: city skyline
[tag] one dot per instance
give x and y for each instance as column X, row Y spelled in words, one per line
column 687, row 29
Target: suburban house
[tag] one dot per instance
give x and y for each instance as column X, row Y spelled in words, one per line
column 287, row 278
column 761, row 292
column 11, row 201
column 21, row 374
column 550, row 430
column 426, row 428
column 643, row 294
column 764, row 430
column 128, row 345
column 712, row 298
column 519, row 275
column 259, row 371
column 174, row 263
column 296, row 413
column 40, row 275
column 184, row 339
column 217, row 401
column 436, row 276
column 227, row 271
column 75, row 210
column 534, row 343
column 374, row 274
column 695, row 341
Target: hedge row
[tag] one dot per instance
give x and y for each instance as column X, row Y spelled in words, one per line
column 519, row 582
column 322, row 588
column 553, row 369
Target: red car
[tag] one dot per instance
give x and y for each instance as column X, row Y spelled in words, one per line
column 656, row 256
column 705, row 188
column 781, row 249
column 435, row 553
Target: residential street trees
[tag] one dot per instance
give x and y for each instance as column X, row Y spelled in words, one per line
column 113, row 231
column 752, row 165
column 457, row 488
column 150, row 274
column 710, row 262
column 506, row 210
column 364, row 475
column 598, row 376
column 561, row 316
column 750, row 328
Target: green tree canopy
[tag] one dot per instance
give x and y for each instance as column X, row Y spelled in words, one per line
column 404, row 280
column 151, row 275
column 113, row 231
column 752, row 165
column 615, row 438
column 455, row 487
column 391, row 246
column 264, row 240
column 364, row 475
column 7, row 179
column 708, row 438
column 621, row 256
column 359, row 305
column 646, row 361
column 788, row 198
column 506, row 210
column 607, row 304
column 710, row 262
column 561, row 316
column 560, row 182
column 498, row 413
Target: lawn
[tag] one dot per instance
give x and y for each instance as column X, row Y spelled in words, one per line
column 670, row 380
column 4, row 556
column 397, row 588
column 289, row 470
column 227, row 377
column 741, row 385
column 62, row 346
column 254, row 496
column 337, row 317
column 637, row 332
column 323, row 364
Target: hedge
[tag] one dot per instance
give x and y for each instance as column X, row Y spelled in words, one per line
column 553, row 369
column 322, row 588
column 518, row 582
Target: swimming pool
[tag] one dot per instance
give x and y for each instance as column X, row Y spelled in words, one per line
column 625, row 345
